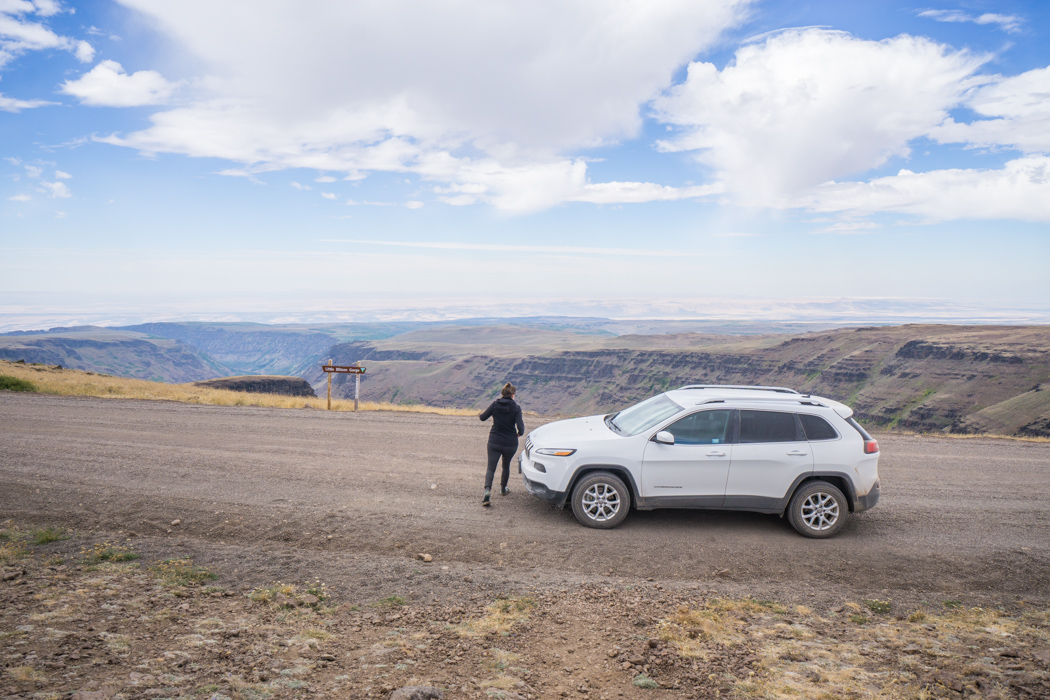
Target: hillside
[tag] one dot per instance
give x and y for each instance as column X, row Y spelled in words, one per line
column 926, row 378
column 283, row 349
column 109, row 351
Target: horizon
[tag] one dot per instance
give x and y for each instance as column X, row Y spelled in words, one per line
column 670, row 159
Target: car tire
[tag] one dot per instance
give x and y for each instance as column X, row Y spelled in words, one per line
column 601, row 500
column 818, row 509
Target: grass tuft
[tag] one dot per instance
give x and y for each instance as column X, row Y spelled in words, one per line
column 391, row 601
column 108, row 552
column 182, row 572
column 287, row 596
column 644, row 681
column 879, row 607
column 47, row 535
column 12, row 551
column 499, row 618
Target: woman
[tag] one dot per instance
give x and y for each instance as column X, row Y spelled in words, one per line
column 507, row 425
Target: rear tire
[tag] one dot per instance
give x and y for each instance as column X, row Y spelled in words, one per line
column 818, row 510
column 601, row 500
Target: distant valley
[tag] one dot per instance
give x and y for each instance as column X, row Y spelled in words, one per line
column 962, row 379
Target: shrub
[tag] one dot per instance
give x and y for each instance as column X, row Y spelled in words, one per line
column 47, row 535
column 16, row 384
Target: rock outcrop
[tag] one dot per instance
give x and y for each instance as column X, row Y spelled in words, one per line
column 285, row 386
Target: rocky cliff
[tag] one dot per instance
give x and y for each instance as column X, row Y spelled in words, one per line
column 119, row 353
column 285, row 386
column 925, row 378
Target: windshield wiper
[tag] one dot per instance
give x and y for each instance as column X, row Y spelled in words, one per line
column 609, row 421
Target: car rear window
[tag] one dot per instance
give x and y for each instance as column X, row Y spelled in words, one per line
column 817, row 428
column 768, row 426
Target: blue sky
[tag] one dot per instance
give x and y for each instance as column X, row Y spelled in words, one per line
column 664, row 158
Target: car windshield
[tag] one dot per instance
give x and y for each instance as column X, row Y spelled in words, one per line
column 644, row 415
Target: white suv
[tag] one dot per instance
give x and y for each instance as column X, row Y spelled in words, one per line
column 763, row 449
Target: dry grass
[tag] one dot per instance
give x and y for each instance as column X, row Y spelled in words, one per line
column 26, row 674
column 804, row 655
column 499, row 618
column 969, row 436
column 72, row 382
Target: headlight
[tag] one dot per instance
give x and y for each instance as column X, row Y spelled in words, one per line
column 555, row 451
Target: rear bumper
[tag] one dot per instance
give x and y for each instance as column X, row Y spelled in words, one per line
column 869, row 500
column 538, row 490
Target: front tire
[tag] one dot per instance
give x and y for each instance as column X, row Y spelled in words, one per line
column 601, row 500
column 818, row 510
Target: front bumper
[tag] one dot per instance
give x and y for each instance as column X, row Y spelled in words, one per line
column 539, row 490
column 869, row 500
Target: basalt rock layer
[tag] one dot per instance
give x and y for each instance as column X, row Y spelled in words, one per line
column 962, row 379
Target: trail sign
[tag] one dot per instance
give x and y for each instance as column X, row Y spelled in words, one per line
column 355, row 369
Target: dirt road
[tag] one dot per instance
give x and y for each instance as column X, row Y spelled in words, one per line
column 269, row 493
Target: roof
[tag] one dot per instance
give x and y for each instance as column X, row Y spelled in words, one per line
column 781, row 397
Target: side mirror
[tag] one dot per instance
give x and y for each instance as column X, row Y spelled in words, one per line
column 664, row 438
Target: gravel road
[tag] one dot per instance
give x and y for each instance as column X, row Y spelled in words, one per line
column 271, row 492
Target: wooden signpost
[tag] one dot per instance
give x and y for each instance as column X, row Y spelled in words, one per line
column 356, row 369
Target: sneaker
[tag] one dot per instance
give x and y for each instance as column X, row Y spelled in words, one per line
column 485, row 499
column 504, row 491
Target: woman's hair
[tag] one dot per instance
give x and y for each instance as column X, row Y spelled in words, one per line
column 508, row 390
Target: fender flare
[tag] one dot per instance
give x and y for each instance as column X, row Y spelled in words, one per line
column 616, row 469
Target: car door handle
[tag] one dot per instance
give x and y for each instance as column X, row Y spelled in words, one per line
column 798, row 453
column 716, row 454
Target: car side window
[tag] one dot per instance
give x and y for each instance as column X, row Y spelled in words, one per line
column 768, row 426
column 703, row 428
column 817, row 428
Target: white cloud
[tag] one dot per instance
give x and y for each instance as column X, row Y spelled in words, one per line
column 1008, row 23
column 414, row 204
column 1019, row 190
column 57, row 189
column 108, row 85
column 46, row 8
column 20, row 198
column 300, row 186
column 59, row 175
column 324, row 178
column 328, row 195
column 1017, row 110
column 806, row 106
column 398, row 86
column 19, row 34
column 10, row 104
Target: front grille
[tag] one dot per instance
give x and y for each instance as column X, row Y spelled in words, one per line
column 528, row 445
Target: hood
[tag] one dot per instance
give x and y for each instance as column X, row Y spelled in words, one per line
column 504, row 405
column 573, row 430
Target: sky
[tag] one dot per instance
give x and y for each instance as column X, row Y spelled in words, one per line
column 283, row 161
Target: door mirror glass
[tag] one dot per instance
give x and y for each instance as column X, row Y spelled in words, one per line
column 664, row 438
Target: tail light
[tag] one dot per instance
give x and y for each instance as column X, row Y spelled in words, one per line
column 871, row 447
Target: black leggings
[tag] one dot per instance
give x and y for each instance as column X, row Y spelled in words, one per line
column 495, row 452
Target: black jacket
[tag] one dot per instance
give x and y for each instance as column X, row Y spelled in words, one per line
column 507, row 424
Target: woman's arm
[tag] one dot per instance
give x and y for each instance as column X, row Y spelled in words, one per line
column 520, row 422
column 488, row 412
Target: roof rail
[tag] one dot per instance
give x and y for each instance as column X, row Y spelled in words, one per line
column 777, row 389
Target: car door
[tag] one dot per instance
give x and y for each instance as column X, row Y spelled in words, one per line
column 692, row 472
column 770, row 450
